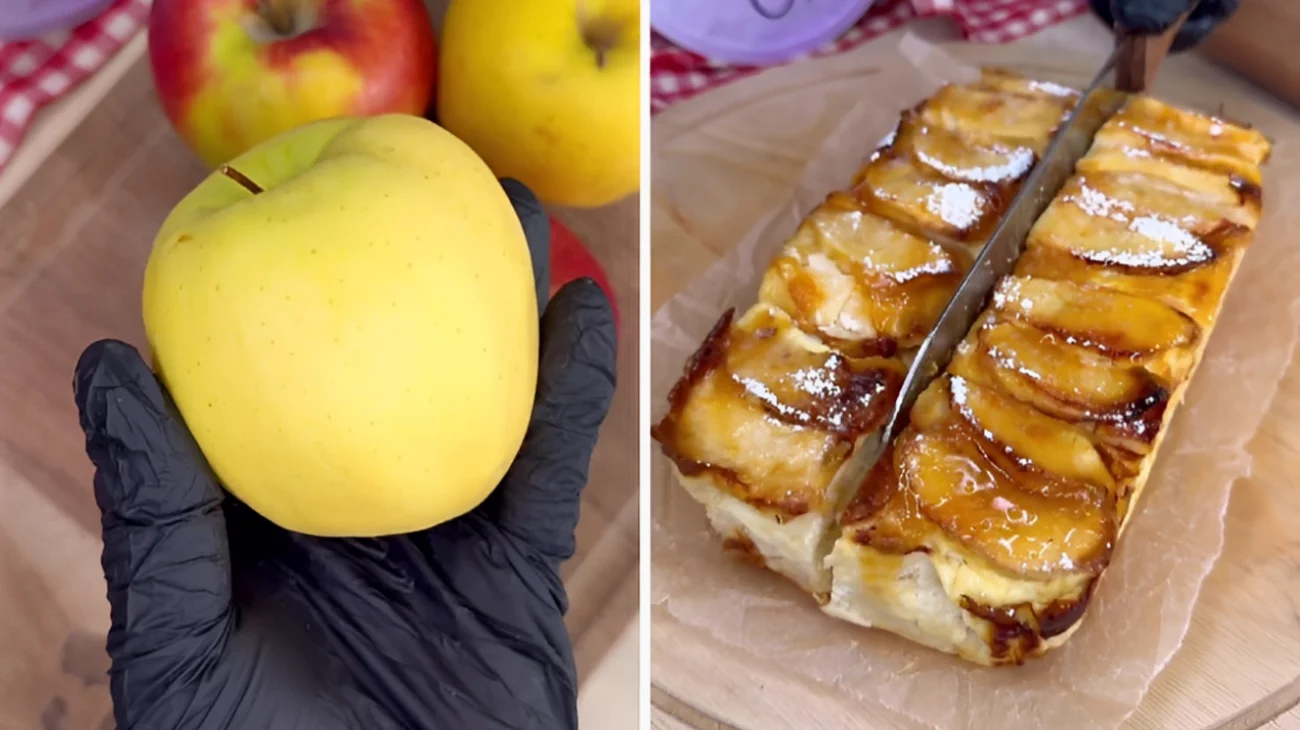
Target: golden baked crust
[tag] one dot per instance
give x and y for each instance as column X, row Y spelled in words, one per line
column 771, row 412
column 1003, row 497
column 858, row 284
column 1000, row 109
column 759, row 424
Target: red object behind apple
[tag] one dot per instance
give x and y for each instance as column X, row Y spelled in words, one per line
column 571, row 260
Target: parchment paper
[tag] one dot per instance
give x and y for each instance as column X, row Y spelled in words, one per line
column 1143, row 606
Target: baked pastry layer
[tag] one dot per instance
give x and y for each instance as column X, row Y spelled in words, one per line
column 986, row 525
column 854, row 290
column 760, row 423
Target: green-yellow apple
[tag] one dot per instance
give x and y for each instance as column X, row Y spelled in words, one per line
column 346, row 318
column 548, row 92
column 233, row 73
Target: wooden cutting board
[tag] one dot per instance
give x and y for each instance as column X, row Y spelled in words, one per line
column 746, row 148
column 1258, row 42
column 74, row 236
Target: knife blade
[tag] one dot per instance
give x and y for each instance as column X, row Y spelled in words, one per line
column 1099, row 101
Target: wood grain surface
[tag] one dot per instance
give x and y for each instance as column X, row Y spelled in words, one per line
column 73, row 240
column 1239, row 662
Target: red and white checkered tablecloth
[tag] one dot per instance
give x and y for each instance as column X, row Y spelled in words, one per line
column 677, row 74
column 36, row 72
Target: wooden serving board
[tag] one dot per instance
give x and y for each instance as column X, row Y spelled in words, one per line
column 1258, row 41
column 74, row 235
column 1240, row 660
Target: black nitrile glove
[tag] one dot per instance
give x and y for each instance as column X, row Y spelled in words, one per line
column 1155, row 16
column 223, row 621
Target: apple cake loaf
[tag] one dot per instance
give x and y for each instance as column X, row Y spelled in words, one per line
column 775, row 400
column 985, row 526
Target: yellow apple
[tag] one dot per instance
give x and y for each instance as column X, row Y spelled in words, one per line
column 548, row 92
column 346, row 318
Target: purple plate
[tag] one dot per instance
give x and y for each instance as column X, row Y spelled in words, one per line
column 754, row 32
column 29, row 19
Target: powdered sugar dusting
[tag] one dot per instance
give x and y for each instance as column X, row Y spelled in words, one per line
column 957, row 204
column 1019, row 161
column 1181, row 248
column 1096, row 203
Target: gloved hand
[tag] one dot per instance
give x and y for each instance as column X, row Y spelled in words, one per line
column 223, row 621
column 1155, row 16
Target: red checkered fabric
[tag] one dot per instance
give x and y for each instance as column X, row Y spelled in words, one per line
column 677, row 74
column 35, row 73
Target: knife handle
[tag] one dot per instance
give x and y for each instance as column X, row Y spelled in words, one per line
column 1140, row 56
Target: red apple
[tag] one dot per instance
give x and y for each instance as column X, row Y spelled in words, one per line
column 571, row 260
column 233, row 73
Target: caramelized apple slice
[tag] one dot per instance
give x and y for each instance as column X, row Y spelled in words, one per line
column 1104, row 231
column 933, row 406
column 1005, row 80
column 1064, row 380
column 854, row 276
column 1129, row 197
column 1195, row 293
column 1206, row 186
column 1121, row 325
column 894, row 188
column 1137, row 143
column 1031, row 439
column 802, row 382
column 984, row 114
column 1030, row 533
column 1210, row 133
column 850, row 236
column 768, row 413
column 712, row 429
column 820, row 296
column 958, row 158
column 774, row 466
column 882, row 514
column 1196, row 139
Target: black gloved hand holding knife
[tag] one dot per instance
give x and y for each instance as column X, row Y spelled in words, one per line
column 1153, row 17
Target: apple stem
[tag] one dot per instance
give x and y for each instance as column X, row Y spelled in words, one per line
column 240, row 178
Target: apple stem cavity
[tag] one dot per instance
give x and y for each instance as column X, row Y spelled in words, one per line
column 241, row 178
column 278, row 21
column 598, row 34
